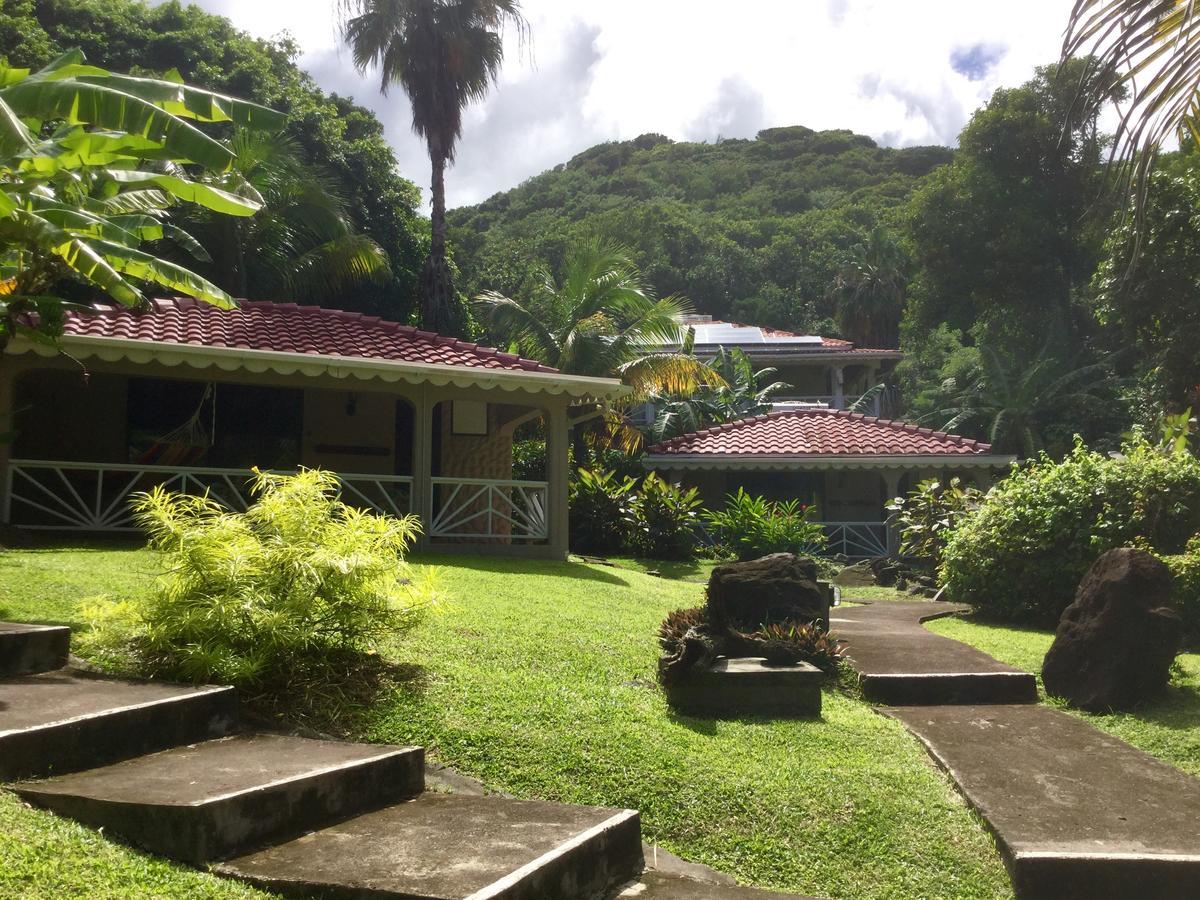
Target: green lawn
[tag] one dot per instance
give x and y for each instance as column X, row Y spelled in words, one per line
column 1168, row 728
column 696, row 570
column 43, row 856
column 539, row 679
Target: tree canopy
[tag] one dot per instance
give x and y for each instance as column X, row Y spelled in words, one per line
column 330, row 132
column 754, row 230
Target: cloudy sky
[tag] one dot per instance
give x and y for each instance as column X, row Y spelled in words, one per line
column 903, row 71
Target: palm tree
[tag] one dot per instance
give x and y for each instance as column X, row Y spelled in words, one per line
column 301, row 244
column 600, row 319
column 870, row 290
column 741, row 393
column 1010, row 404
column 445, row 54
column 1148, row 50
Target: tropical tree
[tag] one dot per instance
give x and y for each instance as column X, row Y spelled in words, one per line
column 741, row 392
column 90, row 162
column 1149, row 50
column 301, row 245
column 445, row 54
column 869, row 291
column 601, row 319
column 1012, row 404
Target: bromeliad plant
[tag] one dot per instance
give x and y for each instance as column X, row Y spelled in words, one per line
column 787, row 643
column 290, row 598
column 90, row 162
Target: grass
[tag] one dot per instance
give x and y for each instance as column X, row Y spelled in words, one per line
column 43, row 856
column 1168, row 728
column 696, row 570
column 539, row 679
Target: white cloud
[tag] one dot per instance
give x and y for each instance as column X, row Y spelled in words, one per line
column 903, row 72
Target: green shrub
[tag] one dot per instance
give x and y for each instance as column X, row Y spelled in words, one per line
column 662, row 520
column 278, row 600
column 598, row 514
column 753, row 526
column 1186, row 569
column 929, row 514
column 1021, row 555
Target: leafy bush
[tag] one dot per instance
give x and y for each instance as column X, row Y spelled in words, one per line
column 753, row 526
column 662, row 519
column 929, row 514
column 787, row 643
column 1186, row 569
column 295, row 592
column 598, row 516
column 1021, row 555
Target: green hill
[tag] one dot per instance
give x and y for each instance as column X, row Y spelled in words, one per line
column 749, row 229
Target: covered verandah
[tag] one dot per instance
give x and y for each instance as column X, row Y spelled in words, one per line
column 110, row 416
column 847, row 466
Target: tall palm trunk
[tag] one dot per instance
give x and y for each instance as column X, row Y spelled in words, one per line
column 437, row 287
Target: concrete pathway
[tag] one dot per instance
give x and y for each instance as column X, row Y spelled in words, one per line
column 1076, row 812
column 900, row 662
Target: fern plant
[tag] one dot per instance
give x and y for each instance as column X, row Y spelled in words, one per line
column 293, row 592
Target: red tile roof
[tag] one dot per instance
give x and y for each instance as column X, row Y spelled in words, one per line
column 818, row 432
column 288, row 328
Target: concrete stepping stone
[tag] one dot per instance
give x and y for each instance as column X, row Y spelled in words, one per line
column 211, row 800
column 28, row 649
column 451, row 847
column 1076, row 813
column 900, row 663
column 662, row 886
column 63, row 721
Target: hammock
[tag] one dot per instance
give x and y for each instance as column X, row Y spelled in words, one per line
column 186, row 444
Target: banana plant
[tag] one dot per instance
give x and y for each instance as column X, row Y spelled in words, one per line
column 90, row 163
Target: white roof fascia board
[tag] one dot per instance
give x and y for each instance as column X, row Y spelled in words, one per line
column 231, row 359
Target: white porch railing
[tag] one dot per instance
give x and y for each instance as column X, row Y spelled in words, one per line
column 49, row 494
column 486, row 509
column 856, row 539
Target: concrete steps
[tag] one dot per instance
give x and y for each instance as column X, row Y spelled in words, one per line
column 902, row 664
column 453, row 847
column 210, row 800
column 663, row 886
column 160, row 766
column 62, row 721
column 29, row 649
column 1077, row 813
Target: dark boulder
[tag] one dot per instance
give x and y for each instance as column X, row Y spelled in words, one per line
column 1115, row 643
column 776, row 588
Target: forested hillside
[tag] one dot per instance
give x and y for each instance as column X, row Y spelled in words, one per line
column 755, row 230
column 339, row 145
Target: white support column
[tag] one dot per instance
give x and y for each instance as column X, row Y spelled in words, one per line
column 422, row 486
column 891, row 480
column 873, row 381
column 837, row 376
column 557, row 473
